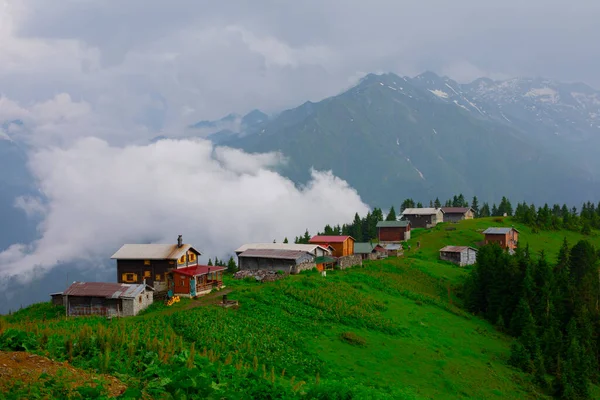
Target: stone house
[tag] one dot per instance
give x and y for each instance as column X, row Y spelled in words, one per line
column 289, row 261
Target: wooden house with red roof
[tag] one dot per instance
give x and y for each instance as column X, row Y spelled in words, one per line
column 342, row 245
column 195, row 281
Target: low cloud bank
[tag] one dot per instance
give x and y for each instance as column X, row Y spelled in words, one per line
column 97, row 197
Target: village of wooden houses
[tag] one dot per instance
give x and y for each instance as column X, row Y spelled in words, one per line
column 148, row 272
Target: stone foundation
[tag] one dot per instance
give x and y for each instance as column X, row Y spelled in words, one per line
column 349, row 261
column 303, row 267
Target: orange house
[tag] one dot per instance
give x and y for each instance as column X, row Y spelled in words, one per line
column 507, row 238
column 342, row 245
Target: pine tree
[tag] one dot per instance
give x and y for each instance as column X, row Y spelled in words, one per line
column 306, row 238
column 419, row 205
column 356, row 231
column 475, row 206
column 391, row 215
column 285, row 240
column 210, row 263
column 437, row 203
column 231, row 266
column 485, row 211
column 495, row 211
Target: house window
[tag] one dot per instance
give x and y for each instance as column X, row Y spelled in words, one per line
column 146, row 262
column 182, row 259
column 182, row 282
column 140, row 299
column 192, row 256
column 147, row 274
column 157, row 277
column 129, row 277
column 171, row 262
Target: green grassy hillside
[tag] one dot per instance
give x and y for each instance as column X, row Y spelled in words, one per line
column 393, row 329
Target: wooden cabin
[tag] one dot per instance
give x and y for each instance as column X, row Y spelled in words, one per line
column 369, row 251
column 507, row 238
column 423, row 217
column 393, row 231
column 151, row 262
column 342, row 245
column 461, row 255
column 195, row 281
column 456, row 214
column 104, row 298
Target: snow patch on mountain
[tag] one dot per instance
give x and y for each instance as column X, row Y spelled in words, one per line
column 439, row 93
column 545, row 94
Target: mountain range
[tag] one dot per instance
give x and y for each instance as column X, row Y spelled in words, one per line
column 393, row 137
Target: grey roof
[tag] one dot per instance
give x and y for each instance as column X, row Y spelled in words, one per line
column 152, row 251
column 393, row 246
column 421, row 211
column 498, row 231
column 106, row 290
column 456, row 210
column 392, row 224
column 281, row 246
column 273, row 253
column 456, row 249
column 364, row 247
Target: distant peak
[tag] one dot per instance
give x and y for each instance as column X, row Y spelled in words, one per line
column 428, row 75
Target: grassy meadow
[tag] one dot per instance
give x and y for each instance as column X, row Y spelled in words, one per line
column 393, row 329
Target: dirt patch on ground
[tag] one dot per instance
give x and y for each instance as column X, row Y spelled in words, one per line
column 27, row 368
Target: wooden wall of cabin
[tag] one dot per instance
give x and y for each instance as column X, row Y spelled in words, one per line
column 134, row 271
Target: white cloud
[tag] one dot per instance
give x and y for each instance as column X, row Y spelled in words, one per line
column 100, row 196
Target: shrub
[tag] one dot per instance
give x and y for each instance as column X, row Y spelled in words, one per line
column 353, row 339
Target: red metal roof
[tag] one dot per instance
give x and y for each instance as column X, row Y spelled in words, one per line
column 197, row 270
column 329, row 239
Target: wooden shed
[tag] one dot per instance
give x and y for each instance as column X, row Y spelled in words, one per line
column 461, row 255
column 393, row 231
column 456, row 214
column 342, row 245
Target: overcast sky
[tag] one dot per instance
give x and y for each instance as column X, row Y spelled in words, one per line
column 170, row 63
column 93, row 80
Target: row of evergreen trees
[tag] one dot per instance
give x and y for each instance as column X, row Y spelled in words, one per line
column 553, row 310
column 558, row 217
column 231, row 265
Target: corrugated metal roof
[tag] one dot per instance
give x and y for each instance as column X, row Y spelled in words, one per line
column 455, row 210
column 281, row 246
column 273, row 253
column 393, row 224
column 329, row 239
column 498, row 231
column 421, row 211
column 365, row 247
column 198, row 270
column 106, row 290
column 456, row 249
column 152, row 251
